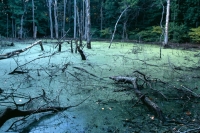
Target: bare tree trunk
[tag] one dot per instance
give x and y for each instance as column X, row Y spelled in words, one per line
column 21, row 23
column 35, row 32
column 163, row 11
column 79, row 27
column 21, row 27
column 101, row 14
column 7, row 26
column 124, row 35
column 64, row 17
column 83, row 20
column 13, row 33
column 15, row 29
column 74, row 19
column 88, row 24
column 56, row 18
column 33, row 15
column 49, row 2
column 85, row 25
column 167, row 24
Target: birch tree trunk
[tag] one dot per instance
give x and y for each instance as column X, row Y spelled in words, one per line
column 74, row 19
column 88, row 24
column 166, row 24
column 49, row 2
column 56, row 18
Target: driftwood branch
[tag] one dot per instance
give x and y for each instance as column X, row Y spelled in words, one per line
column 145, row 100
column 17, row 52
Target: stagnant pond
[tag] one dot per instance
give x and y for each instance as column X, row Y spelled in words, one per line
column 172, row 82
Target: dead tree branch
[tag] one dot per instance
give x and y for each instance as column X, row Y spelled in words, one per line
column 17, row 52
column 142, row 97
column 11, row 113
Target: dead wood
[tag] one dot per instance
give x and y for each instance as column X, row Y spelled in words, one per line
column 60, row 41
column 81, row 53
column 81, row 69
column 71, row 46
column 17, row 52
column 83, row 57
column 113, row 35
column 65, row 66
column 74, row 76
column 187, row 91
column 12, row 113
column 16, row 71
column 145, row 100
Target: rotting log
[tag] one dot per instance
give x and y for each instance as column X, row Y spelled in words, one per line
column 17, row 52
column 145, row 99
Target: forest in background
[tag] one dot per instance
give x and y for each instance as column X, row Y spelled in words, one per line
column 144, row 20
column 46, row 89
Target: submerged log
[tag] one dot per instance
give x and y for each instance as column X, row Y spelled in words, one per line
column 145, row 99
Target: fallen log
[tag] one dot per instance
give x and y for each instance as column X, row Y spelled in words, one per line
column 17, row 52
column 145, row 100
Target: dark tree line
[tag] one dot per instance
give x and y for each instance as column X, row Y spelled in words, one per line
column 141, row 22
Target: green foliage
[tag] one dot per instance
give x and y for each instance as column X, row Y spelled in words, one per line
column 156, row 30
column 195, row 34
column 150, row 34
column 142, row 19
column 105, row 33
column 177, row 33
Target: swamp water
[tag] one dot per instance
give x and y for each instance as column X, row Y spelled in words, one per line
column 67, row 81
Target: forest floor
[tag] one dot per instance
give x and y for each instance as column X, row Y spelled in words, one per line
column 172, row 82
